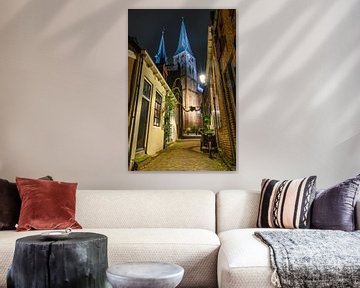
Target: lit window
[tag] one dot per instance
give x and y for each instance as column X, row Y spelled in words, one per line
column 146, row 90
column 157, row 109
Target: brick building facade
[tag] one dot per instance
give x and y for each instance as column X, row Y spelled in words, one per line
column 219, row 100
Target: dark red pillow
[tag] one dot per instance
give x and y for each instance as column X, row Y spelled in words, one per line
column 46, row 204
column 10, row 204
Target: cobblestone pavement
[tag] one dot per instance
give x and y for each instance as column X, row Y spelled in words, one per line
column 184, row 155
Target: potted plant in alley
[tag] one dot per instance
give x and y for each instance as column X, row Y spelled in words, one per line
column 193, row 129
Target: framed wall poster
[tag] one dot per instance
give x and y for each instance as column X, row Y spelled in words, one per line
column 181, row 90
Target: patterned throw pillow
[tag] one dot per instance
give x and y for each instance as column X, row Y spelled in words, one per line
column 286, row 204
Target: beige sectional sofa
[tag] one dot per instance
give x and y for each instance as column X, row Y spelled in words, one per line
column 164, row 225
column 243, row 261
column 177, row 226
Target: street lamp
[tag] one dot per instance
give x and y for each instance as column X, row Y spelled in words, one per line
column 202, row 78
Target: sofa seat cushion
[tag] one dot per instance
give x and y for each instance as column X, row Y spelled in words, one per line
column 244, row 261
column 196, row 250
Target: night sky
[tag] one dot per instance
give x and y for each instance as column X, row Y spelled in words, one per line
column 146, row 25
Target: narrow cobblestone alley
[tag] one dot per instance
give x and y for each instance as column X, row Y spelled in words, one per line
column 185, row 155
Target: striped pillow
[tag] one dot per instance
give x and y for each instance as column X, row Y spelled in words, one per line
column 286, row 204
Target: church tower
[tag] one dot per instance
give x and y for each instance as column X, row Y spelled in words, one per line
column 185, row 60
column 160, row 57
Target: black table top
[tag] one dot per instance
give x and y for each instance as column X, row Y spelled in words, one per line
column 73, row 237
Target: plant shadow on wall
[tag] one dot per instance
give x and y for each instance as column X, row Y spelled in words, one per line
column 313, row 57
column 86, row 31
column 89, row 30
column 182, row 116
column 62, row 52
column 25, row 17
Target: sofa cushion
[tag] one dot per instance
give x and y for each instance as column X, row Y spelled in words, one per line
column 153, row 209
column 244, row 261
column 236, row 209
column 286, row 204
column 46, row 204
column 10, row 204
column 196, row 250
column 334, row 208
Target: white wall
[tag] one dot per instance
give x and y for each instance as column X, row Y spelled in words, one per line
column 63, row 92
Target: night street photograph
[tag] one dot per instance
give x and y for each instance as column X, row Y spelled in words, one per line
column 181, row 90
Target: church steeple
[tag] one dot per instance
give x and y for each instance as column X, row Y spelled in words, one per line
column 184, row 62
column 161, row 57
column 184, row 44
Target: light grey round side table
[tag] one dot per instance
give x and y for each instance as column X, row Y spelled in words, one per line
column 145, row 275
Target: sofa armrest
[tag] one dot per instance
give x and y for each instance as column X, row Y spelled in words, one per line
column 357, row 215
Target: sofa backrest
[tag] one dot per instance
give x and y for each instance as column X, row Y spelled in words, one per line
column 146, row 209
column 236, row 209
column 239, row 209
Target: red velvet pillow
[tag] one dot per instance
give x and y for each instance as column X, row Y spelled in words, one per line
column 46, row 204
column 10, row 204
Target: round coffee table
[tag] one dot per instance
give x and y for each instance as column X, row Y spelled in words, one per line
column 145, row 275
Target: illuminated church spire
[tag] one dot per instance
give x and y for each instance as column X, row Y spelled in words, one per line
column 184, row 60
column 184, row 44
column 160, row 56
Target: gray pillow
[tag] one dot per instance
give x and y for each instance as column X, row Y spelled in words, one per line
column 334, row 208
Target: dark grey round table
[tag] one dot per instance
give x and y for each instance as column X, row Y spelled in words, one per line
column 80, row 261
column 145, row 275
